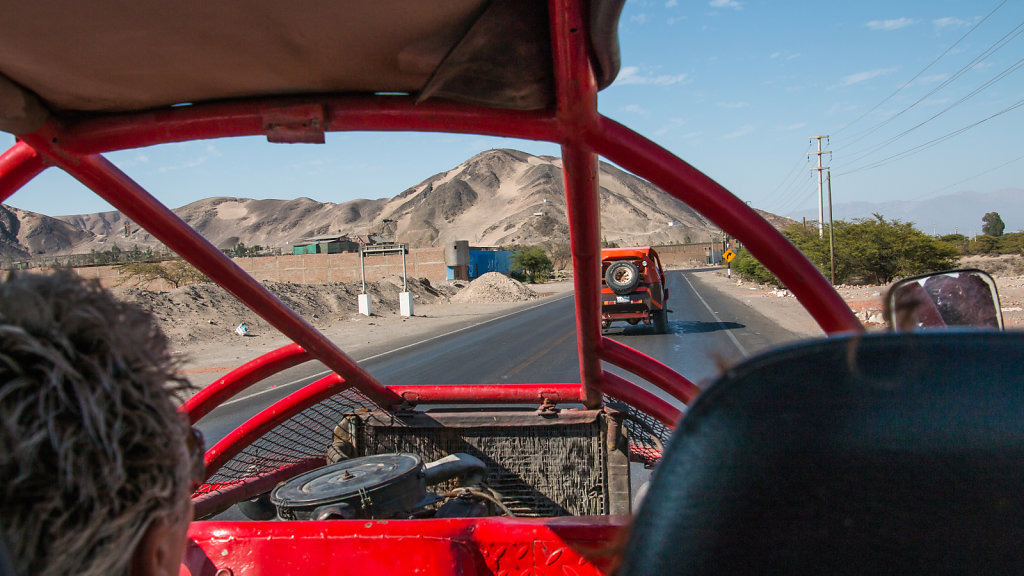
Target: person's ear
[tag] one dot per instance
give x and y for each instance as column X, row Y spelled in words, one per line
column 161, row 549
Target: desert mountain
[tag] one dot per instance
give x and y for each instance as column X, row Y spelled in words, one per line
column 958, row 212
column 496, row 198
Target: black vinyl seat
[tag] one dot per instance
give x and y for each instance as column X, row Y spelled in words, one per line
column 881, row 454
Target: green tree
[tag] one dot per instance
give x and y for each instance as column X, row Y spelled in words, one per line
column 868, row 250
column 958, row 241
column 1012, row 243
column 747, row 266
column 984, row 244
column 534, row 262
column 993, row 224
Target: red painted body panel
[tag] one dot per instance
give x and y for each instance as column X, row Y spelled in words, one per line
column 580, row 546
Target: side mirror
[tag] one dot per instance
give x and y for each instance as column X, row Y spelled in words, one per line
column 943, row 299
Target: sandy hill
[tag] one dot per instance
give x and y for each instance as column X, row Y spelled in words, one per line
column 498, row 197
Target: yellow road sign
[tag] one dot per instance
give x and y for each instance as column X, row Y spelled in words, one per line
column 728, row 255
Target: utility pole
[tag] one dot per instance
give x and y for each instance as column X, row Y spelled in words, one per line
column 821, row 202
column 831, row 239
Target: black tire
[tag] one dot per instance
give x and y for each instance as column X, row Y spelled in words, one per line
column 622, row 276
column 660, row 321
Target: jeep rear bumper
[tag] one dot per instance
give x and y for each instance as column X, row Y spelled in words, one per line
column 626, row 307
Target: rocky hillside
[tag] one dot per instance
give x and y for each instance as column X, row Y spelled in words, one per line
column 498, row 197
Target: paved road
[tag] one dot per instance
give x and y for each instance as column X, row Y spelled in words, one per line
column 537, row 344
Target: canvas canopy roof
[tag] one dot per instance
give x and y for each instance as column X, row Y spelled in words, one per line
column 150, row 55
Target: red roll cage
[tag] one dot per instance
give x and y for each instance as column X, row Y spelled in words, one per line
column 74, row 141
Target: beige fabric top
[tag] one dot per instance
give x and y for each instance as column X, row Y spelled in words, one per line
column 126, row 55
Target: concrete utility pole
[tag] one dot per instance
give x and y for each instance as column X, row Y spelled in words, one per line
column 831, row 238
column 821, row 202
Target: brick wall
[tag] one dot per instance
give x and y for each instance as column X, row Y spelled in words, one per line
column 685, row 255
column 305, row 268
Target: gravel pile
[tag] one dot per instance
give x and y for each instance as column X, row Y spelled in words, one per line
column 495, row 287
column 205, row 312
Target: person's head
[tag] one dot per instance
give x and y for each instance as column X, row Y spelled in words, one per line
column 94, row 456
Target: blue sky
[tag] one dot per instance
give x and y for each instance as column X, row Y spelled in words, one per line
column 735, row 87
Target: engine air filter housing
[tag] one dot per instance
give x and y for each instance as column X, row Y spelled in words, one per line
column 379, row 486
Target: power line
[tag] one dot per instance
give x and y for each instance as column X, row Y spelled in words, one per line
column 800, row 194
column 992, row 49
column 796, row 188
column 1016, row 66
column 786, row 181
column 923, row 70
column 969, row 178
column 931, row 143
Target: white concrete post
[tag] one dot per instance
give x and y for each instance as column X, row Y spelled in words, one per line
column 405, row 304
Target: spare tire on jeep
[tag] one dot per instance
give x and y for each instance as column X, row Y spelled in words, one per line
column 622, row 276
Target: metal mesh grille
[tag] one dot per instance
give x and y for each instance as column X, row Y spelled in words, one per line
column 564, row 479
column 648, row 437
column 538, row 470
column 305, row 435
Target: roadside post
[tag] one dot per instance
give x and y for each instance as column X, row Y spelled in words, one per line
column 365, row 302
column 728, row 255
column 404, row 297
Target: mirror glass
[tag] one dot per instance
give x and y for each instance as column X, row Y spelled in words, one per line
column 944, row 299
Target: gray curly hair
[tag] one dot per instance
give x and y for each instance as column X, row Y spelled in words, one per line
column 92, row 447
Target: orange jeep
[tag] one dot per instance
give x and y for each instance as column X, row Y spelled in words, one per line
column 633, row 288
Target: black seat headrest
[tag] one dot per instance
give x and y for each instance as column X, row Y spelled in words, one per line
column 895, row 453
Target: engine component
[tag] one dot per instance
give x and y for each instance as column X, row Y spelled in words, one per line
column 380, row 486
column 469, row 469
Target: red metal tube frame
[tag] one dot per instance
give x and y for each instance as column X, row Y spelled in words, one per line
column 243, row 377
column 131, row 199
column 622, row 389
column 576, row 108
column 641, row 156
column 575, row 123
column 221, row 499
column 18, row 166
column 342, row 113
column 265, row 420
column 649, row 369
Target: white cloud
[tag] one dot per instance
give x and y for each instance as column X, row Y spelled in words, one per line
column 726, row 4
column 631, row 75
column 635, row 109
column 784, row 55
column 743, row 131
column 932, row 78
column 792, row 127
column 888, row 25
column 671, row 3
column 865, row 76
column 733, row 105
column 949, row 22
column 638, row 18
column 210, row 150
column 672, row 125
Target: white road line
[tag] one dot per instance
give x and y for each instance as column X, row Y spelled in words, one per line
column 392, row 351
column 720, row 323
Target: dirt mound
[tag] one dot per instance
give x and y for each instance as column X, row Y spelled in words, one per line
column 207, row 313
column 495, row 287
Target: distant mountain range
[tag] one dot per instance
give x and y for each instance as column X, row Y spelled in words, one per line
column 960, row 212
column 496, row 198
